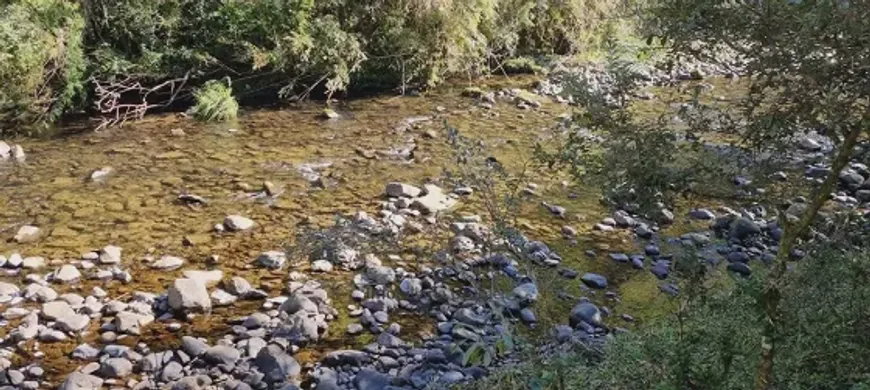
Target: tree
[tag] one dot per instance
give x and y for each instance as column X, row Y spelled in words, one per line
column 808, row 63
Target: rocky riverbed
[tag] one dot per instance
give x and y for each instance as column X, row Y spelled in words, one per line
column 156, row 255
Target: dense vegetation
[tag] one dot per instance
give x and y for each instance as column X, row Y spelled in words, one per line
column 63, row 56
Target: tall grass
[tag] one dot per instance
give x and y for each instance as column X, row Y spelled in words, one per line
column 215, row 103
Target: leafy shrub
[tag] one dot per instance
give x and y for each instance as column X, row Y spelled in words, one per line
column 41, row 61
column 215, row 103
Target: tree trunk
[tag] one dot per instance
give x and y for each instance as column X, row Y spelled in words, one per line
column 772, row 293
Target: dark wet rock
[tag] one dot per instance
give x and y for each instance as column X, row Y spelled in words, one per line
column 740, row 268
column 652, row 250
column 660, row 270
column 643, row 231
column 702, row 214
column 468, row 316
column 637, row 261
column 670, row 289
column 619, row 257
column 738, row 257
column 594, row 280
column 369, row 379
column 585, row 312
column 528, row 316
column 568, row 273
column 743, row 228
column 346, row 357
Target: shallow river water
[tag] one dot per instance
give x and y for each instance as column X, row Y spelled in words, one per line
column 135, row 206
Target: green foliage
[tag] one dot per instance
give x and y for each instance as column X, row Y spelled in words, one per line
column 215, row 103
column 522, row 65
column 41, row 61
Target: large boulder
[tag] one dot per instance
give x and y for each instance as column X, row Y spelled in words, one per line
column 189, row 295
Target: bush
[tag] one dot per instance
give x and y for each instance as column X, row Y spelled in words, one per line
column 215, row 103
column 41, row 61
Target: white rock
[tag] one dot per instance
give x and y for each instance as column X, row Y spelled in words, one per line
column 57, row 309
column 8, row 289
column 321, row 266
column 14, row 260
column 131, row 323
column 101, row 174
column 5, row 151
column 238, row 223
column 110, row 255
column 27, row 234
column 18, row 154
column 15, row 313
column 434, row 201
column 189, row 295
column 222, row 298
column 67, row 274
column 168, row 263
column 33, row 262
column 74, row 323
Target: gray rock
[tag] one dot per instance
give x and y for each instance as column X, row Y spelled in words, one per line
column 189, row 295
column 272, row 259
column 389, row 340
column 172, row 371
column 276, row 364
column 238, row 223
column 193, row 346
column 702, row 214
column 9, row 289
column 57, row 309
column 399, row 190
column 85, row 352
column 369, row 379
column 237, row 286
column 585, row 312
column 74, row 323
column 131, row 323
column 411, row 286
column 116, row 367
column 594, row 280
column 81, row 381
column 743, row 228
column 380, row 275
column 346, row 358
column 527, row 292
column 354, row 329
column 222, row 354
